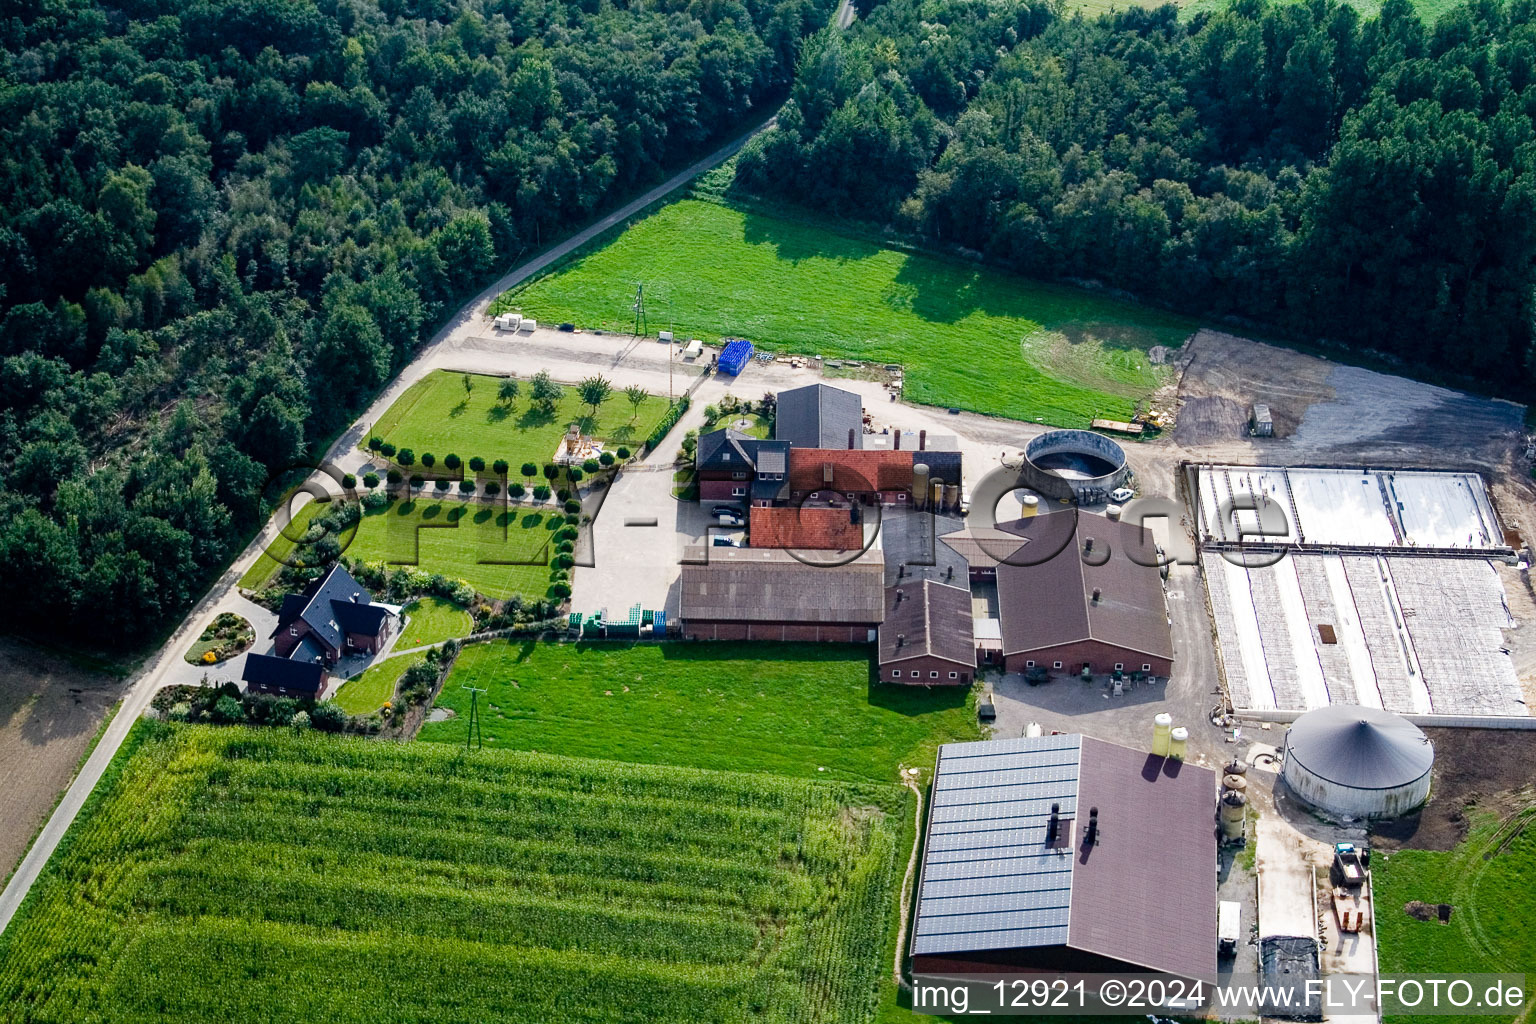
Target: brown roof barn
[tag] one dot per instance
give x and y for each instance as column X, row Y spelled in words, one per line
column 769, row 594
column 1084, row 590
column 926, row 636
column 1020, row 874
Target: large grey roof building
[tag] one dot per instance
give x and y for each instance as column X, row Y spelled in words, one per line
column 819, row 416
column 773, row 594
column 1004, row 887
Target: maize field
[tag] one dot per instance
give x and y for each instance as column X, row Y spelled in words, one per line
column 239, row 875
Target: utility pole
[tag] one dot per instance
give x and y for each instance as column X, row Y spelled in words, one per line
column 639, row 308
column 474, row 719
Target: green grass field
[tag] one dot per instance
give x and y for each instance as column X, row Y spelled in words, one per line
column 366, row 693
column 499, row 551
column 710, row 270
column 802, row 710
column 239, row 874
column 433, row 620
column 436, row 415
column 1490, row 880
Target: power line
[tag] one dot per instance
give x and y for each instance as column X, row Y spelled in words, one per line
column 474, row 719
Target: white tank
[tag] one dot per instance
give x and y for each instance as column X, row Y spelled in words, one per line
column 1033, row 729
column 1178, row 743
column 1031, row 505
column 1358, row 762
column 1162, row 724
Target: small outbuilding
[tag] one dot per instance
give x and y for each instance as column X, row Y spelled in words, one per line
column 1260, row 423
column 1358, row 762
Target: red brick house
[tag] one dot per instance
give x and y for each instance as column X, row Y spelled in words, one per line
column 1088, row 592
column 284, row 677
column 736, row 468
column 926, row 638
column 334, row 617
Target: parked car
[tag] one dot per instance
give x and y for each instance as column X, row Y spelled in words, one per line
column 986, row 711
column 725, row 510
column 732, row 520
column 726, row 542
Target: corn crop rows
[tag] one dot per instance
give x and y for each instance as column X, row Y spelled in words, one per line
column 225, row 875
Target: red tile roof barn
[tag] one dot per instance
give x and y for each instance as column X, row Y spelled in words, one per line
column 852, row 470
column 806, row 528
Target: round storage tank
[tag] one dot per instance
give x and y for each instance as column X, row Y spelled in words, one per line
column 1358, row 762
column 1075, row 465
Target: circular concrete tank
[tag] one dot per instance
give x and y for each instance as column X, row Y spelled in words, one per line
column 1358, row 762
column 1076, row 464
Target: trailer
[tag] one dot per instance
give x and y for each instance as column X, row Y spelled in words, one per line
column 694, row 349
column 1351, row 877
column 1229, row 927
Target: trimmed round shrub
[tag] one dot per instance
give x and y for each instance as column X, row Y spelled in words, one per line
column 492, row 488
column 572, row 505
column 466, row 487
column 591, row 466
column 575, row 476
column 375, row 443
column 349, row 482
column 566, row 532
column 327, row 716
column 394, row 476
column 623, row 452
column 406, row 457
column 563, row 546
column 573, row 518
column 500, row 467
column 560, row 590
column 565, row 561
column 452, row 461
column 428, row 459
column 606, row 459
column 541, row 492
column 387, row 450
column 370, row 480
column 516, row 490
column 477, row 464
column 441, row 483
column 418, row 481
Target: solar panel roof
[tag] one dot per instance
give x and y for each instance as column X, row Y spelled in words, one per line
column 989, row 879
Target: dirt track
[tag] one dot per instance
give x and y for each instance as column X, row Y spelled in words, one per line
column 49, row 710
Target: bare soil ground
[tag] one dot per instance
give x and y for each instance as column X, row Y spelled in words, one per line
column 1328, row 412
column 49, row 711
column 1489, row 768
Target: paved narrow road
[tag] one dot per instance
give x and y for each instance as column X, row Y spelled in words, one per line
column 161, row 669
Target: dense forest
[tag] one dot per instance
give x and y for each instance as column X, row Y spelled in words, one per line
column 225, row 223
column 1366, row 183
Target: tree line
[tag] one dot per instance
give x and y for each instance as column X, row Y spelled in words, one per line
column 225, row 223
column 1362, row 182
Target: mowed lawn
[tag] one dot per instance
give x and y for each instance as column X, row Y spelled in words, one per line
column 802, row 710
column 431, row 620
column 499, row 550
column 437, row 415
column 236, row 875
column 366, row 693
column 1490, row 880
column 1054, row 353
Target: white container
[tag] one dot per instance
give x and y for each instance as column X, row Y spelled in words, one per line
column 665, row 336
column 528, row 325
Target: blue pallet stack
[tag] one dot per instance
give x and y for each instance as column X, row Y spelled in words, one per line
column 735, row 356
